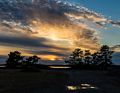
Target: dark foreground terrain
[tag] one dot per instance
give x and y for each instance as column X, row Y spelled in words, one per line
column 58, row 81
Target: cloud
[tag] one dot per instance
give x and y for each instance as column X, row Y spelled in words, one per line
column 116, row 48
column 115, row 23
column 54, row 26
column 26, row 41
column 37, row 52
column 50, row 24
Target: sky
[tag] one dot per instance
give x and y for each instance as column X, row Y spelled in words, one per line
column 52, row 29
column 110, row 9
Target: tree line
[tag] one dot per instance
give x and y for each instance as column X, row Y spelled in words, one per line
column 102, row 58
column 16, row 59
column 79, row 58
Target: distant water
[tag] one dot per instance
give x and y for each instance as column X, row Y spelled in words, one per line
column 2, row 66
column 59, row 67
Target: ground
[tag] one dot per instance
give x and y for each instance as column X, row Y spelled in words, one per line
column 58, row 81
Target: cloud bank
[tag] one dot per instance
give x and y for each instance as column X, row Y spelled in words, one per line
column 51, row 28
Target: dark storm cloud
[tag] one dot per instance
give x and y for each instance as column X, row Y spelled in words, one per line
column 115, row 47
column 48, row 53
column 26, row 41
column 115, row 23
column 11, row 25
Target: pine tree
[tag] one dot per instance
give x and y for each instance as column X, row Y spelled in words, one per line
column 14, row 59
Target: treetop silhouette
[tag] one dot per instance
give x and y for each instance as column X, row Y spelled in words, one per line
column 102, row 57
column 15, row 59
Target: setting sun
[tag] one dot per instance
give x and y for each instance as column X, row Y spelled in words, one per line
column 49, row 57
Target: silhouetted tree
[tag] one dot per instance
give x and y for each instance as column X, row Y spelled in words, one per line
column 101, row 58
column 105, row 56
column 14, row 59
column 87, row 57
column 31, row 60
column 76, row 57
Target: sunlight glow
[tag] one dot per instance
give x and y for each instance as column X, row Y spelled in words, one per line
column 49, row 57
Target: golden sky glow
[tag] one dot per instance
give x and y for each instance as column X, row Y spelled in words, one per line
column 59, row 32
column 50, row 30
